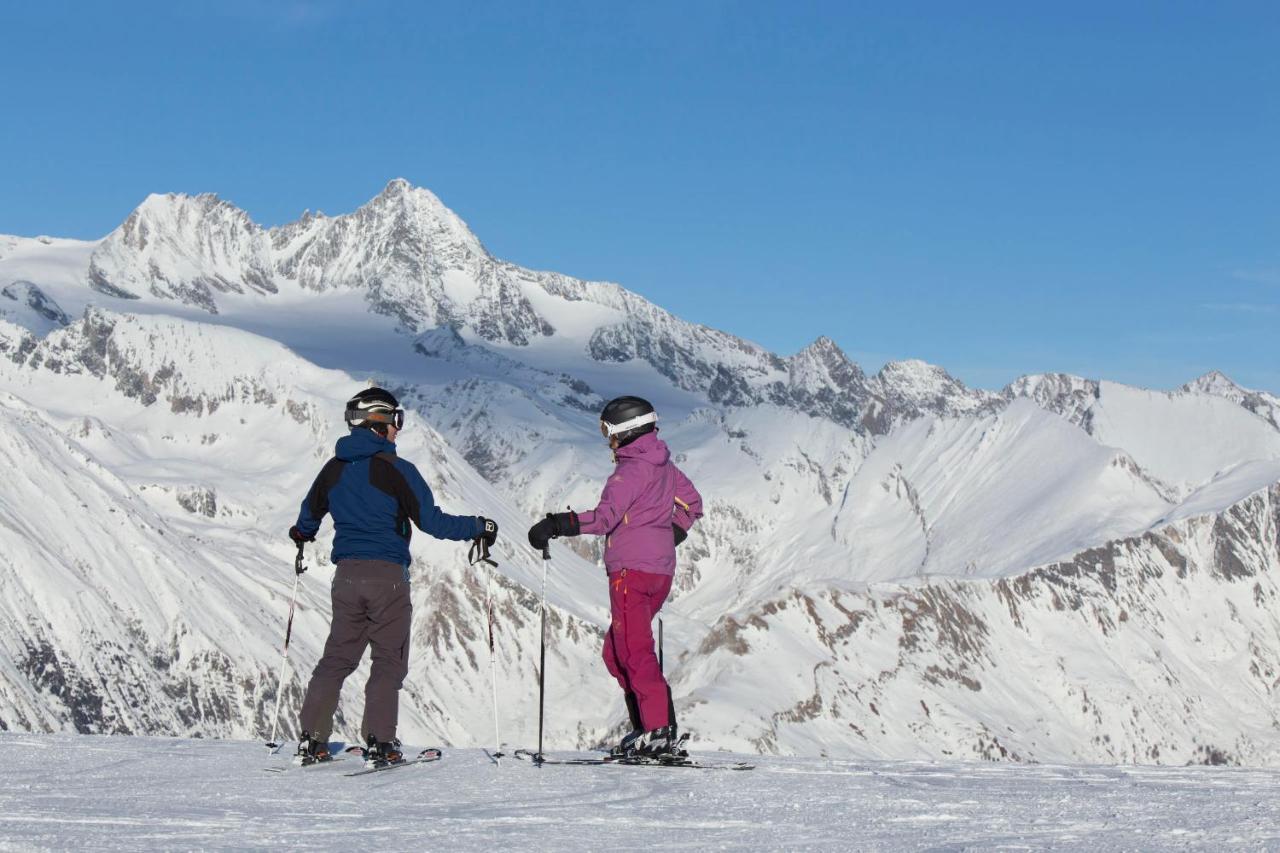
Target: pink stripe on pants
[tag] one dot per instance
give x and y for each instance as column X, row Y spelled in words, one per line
column 634, row 599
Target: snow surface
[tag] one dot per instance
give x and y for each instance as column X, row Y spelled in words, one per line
column 987, row 496
column 109, row 793
column 1185, row 439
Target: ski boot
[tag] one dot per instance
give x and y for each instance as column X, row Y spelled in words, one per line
column 312, row 750
column 381, row 753
column 655, row 742
column 627, row 745
column 637, row 728
column 656, row 746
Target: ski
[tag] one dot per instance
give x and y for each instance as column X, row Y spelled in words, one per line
column 289, row 768
column 334, row 749
column 692, row 764
column 530, row 755
column 430, row 754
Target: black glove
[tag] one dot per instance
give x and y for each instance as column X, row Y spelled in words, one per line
column 566, row 523
column 489, row 532
column 298, row 536
column 553, row 526
column 679, row 532
column 541, row 532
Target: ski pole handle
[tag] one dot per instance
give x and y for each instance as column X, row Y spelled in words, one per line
column 298, row 568
column 479, row 552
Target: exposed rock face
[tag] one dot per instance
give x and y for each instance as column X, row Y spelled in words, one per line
column 1069, row 396
column 914, row 389
column 30, row 297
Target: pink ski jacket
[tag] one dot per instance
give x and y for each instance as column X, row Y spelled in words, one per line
column 644, row 496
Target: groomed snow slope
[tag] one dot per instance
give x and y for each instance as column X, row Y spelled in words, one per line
column 136, row 794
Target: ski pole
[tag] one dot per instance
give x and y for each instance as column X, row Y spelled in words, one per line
column 298, row 569
column 661, row 668
column 479, row 553
column 493, row 675
column 542, row 652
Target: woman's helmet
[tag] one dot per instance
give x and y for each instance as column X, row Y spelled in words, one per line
column 627, row 418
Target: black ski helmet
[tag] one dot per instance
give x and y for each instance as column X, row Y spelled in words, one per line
column 627, row 418
column 373, row 408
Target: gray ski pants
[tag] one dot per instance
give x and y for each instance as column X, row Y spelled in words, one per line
column 371, row 609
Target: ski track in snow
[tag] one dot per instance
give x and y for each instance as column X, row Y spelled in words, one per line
column 132, row 793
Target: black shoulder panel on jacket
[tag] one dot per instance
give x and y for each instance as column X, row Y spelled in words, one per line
column 318, row 497
column 386, row 478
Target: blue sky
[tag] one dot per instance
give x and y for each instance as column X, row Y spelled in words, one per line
column 999, row 188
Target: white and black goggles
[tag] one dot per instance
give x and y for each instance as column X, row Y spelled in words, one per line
column 608, row 430
column 364, row 417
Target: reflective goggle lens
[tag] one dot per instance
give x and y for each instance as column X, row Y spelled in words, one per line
column 395, row 418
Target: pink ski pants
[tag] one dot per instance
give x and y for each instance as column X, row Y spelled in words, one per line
column 634, row 599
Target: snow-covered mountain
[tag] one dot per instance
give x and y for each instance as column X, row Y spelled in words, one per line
column 1183, row 439
column 1262, row 404
column 183, row 248
column 893, row 565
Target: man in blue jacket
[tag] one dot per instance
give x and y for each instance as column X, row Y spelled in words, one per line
column 373, row 496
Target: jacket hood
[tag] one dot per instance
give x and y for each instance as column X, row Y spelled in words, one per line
column 648, row 448
column 361, row 444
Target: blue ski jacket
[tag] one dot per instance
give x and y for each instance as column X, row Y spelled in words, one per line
column 373, row 495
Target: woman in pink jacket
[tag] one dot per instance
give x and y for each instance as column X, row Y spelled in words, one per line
column 646, row 510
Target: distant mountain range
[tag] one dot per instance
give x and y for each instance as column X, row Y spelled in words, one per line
column 892, row 564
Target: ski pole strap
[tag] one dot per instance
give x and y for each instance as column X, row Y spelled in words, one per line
column 298, row 568
column 479, row 552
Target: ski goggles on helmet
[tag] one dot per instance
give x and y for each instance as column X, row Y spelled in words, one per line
column 607, row 429
column 363, row 417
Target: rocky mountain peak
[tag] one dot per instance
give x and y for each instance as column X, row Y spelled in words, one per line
column 912, row 388
column 823, row 364
column 397, row 186
column 913, row 379
column 913, row 370
column 1070, row 396
column 1218, row 384
column 417, row 214
column 186, row 248
column 1045, row 387
column 824, row 350
column 1214, row 382
column 401, row 191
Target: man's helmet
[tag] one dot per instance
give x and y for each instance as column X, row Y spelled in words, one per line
column 373, row 408
column 627, row 418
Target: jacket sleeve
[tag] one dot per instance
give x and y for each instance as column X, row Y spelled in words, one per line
column 615, row 500
column 307, row 523
column 430, row 518
column 315, row 506
column 688, row 508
